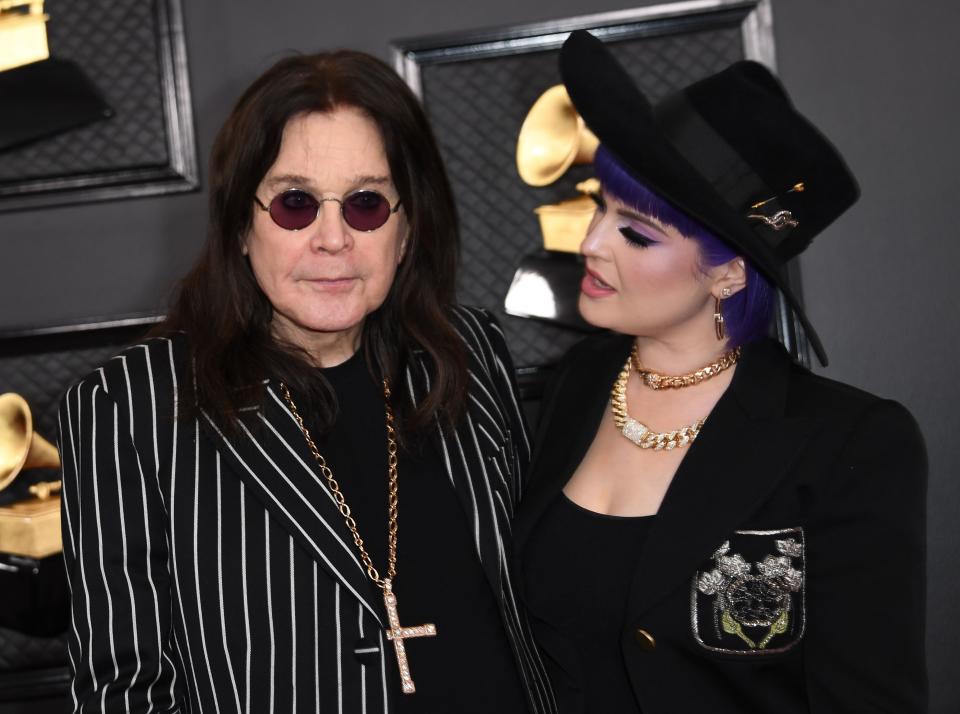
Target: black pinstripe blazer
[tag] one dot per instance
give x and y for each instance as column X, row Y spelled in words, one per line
column 214, row 573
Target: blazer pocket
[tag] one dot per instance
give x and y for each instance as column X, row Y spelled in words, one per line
column 748, row 598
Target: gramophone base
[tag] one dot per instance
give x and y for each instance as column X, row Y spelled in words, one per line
column 31, row 528
column 36, row 599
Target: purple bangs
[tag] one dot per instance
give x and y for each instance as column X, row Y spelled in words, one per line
column 747, row 314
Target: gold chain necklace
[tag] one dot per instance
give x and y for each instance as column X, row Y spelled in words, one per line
column 655, row 380
column 396, row 633
column 638, row 433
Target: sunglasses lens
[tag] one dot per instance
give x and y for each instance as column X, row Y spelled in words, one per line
column 365, row 210
column 294, row 209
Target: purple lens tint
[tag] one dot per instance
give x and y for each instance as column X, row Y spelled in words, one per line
column 365, row 210
column 294, row 209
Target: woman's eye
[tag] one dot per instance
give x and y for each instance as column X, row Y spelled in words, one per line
column 635, row 238
column 598, row 199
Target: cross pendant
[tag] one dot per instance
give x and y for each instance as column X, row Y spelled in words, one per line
column 398, row 634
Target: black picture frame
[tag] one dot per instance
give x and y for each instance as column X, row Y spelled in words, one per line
column 90, row 325
column 172, row 139
column 423, row 60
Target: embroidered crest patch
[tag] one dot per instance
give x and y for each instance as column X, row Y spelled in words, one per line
column 749, row 597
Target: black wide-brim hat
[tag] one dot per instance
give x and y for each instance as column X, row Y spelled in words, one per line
column 730, row 150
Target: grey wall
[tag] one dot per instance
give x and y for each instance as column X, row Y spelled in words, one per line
column 879, row 76
column 882, row 80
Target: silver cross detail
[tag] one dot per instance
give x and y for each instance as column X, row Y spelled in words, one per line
column 398, row 634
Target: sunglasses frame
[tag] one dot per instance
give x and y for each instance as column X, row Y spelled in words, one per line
column 342, row 201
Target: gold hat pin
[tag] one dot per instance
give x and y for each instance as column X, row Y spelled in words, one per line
column 781, row 219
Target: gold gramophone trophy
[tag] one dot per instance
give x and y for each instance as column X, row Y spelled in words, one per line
column 29, row 528
column 552, row 139
column 34, row 594
column 23, row 33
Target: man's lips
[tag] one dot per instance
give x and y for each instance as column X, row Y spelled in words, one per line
column 341, row 283
column 594, row 286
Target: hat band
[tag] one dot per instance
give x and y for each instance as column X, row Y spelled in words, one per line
column 710, row 154
column 734, row 180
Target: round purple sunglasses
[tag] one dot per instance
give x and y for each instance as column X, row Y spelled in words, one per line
column 363, row 210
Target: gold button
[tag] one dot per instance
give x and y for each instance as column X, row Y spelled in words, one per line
column 645, row 640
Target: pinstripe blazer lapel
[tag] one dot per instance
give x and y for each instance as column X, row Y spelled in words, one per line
column 477, row 458
column 271, row 456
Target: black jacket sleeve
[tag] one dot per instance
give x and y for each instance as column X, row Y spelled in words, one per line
column 864, row 647
column 115, row 549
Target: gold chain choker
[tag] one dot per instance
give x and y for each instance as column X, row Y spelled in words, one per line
column 640, row 434
column 655, row 380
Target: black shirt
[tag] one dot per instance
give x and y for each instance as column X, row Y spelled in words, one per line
column 468, row 667
column 578, row 566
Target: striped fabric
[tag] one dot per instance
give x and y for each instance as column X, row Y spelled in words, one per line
column 213, row 573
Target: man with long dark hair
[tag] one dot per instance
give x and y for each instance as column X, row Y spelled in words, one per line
column 295, row 497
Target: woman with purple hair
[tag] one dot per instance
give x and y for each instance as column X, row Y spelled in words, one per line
column 708, row 525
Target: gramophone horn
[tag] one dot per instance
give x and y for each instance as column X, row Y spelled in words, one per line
column 553, row 138
column 20, row 447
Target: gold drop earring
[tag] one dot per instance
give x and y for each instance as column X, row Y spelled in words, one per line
column 718, row 314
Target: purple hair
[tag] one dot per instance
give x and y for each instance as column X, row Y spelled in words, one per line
column 747, row 313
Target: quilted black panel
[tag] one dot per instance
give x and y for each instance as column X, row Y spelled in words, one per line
column 114, row 42
column 38, row 691
column 477, row 107
column 20, row 652
column 41, row 369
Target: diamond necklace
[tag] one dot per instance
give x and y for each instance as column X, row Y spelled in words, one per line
column 638, row 433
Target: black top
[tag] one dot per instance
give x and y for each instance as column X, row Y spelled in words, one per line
column 578, row 566
column 468, row 666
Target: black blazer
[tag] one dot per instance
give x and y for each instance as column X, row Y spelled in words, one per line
column 215, row 573
column 807, row 495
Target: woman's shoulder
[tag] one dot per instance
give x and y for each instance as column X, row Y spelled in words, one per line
column 766, row 362
column 817, row 396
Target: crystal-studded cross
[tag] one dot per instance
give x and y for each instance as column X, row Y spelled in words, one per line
column 398, row 634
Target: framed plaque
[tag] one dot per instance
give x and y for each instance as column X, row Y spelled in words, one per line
column 132, row 55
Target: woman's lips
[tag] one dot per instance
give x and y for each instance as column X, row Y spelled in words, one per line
column 593, row 286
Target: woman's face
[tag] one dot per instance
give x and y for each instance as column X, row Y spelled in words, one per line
column 323, row 280
column 642, row 277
